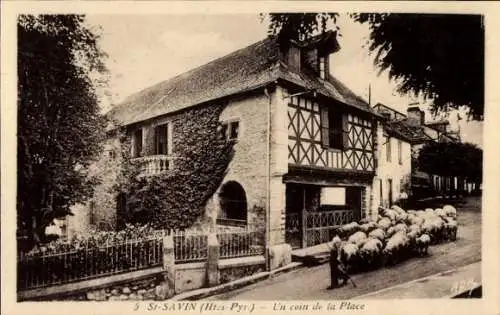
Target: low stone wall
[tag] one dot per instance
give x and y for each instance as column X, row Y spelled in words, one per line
column 148, row 284
column 147, row 289
column 234, row 273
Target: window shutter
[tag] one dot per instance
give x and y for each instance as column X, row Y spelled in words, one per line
column 325, row 128
column 345, row 131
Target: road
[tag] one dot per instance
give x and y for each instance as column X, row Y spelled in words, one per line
column 311, row 283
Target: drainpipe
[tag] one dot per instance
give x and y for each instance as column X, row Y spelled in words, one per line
column 268, row 177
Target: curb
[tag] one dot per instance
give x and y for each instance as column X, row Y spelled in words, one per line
column 233, row 285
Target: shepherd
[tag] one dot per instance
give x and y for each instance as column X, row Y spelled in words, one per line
column 337, row 272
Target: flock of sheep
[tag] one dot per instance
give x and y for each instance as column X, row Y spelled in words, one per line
column 396, row 235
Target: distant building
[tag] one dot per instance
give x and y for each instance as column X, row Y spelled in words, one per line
column 417, row 132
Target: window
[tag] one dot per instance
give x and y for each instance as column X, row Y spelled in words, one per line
column 137, row 143
column 233, row 130
column 161, row 140
column 335, row 129
column 322, row 67
column 230, row 130
column 388, row 148
column 400, row 152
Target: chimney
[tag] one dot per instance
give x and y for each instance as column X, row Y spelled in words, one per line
column 416, row 116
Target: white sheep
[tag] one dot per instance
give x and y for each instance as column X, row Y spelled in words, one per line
column 377, row 233
column 357, row 238
column 422, row 244
column 395, row 246
column 372, row 244
column 348, row 229
column 414, row 228
column 401, row 227
column 450, row 211
column 450, row 230
column 370, row 251
column 440, row 212
column 349, row 255
column 367, row 227
column 385, row 223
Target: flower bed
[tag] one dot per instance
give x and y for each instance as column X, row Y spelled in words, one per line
column 396, row 235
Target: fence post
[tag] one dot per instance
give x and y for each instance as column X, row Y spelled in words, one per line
column 304, row 228
column 169, row 261
column 213, row 260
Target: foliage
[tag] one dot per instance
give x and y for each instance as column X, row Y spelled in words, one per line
column 437, row 56
column 298, row 26
column 176, row 200
column 60, row 67
column 451, row 159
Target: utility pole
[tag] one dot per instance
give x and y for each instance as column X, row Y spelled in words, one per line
column 370, row 94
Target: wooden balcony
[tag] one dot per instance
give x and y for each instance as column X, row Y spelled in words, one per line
column 154, row 164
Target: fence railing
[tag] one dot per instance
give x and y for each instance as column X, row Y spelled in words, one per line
column 321, row 225
column 68, row 263
column 240, row 243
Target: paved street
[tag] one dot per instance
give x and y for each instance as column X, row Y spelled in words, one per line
column 311, row 283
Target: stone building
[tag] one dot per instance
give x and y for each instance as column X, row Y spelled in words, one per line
column 305, row 145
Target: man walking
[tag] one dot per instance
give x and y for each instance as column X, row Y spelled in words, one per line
column 334, row 264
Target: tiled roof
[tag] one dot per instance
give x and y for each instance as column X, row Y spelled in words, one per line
column 243, row 70
column 409, row 132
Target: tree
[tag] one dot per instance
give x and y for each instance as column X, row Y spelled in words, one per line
column 437, row 56
column 59, row 126
column 451, row 159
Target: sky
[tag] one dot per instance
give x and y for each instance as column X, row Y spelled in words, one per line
column 146, row 49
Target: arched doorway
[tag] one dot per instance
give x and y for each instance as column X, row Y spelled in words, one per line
column 233, row 204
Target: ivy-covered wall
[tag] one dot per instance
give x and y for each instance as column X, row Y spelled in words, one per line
column 177, row 198
column 109, row 171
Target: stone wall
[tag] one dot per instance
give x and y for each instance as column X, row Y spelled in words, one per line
column 100, row 211
column 249, row 163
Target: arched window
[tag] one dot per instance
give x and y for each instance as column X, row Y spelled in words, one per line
column 233, row 203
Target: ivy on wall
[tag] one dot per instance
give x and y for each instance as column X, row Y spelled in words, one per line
column 177, row 199
column 112, row 174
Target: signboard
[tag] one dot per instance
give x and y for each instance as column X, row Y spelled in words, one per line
column 333, row 196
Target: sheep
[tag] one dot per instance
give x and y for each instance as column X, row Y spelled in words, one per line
column 395, row 247
column 364, row 221
column 433, row 226
column 349, row 256
column 396, row 228
column 422, row 244
column 369, row 253
column 368, row 227
column 440, row 212
column 414, row 228
column 377, row 233
column 357, row 238
column 450, row 211
column 450, row 230
column 385, row 223
column 348, row 229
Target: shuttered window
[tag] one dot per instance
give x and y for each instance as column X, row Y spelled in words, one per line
column 334, row 128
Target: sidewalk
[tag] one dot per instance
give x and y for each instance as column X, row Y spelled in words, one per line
column 446, row 284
